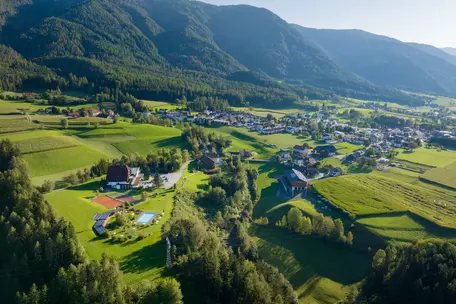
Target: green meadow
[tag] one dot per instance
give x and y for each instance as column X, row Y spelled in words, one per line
column 429, row 157
column 445, row 176
column 364, row 194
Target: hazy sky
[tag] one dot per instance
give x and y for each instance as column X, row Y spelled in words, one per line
column 425, row 21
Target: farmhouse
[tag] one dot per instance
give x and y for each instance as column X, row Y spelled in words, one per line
column 210, row 161
column 122, row 177
column 293, row 181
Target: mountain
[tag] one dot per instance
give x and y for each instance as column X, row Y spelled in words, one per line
column 451, row 51
column 386, row 61
column 436, row 52
column 164, row 49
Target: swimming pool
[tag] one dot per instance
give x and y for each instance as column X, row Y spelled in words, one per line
column 146, row 218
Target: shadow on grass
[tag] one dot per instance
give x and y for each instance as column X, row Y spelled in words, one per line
column 173, row 142
column 93, row 185
column 144, row 259
column 300, row 258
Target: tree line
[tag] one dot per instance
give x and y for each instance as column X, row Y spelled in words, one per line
column 318, row 225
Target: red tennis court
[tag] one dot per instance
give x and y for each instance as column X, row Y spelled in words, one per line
column 108, row 202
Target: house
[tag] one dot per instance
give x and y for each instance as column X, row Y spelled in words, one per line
column 301, row 150
column 122, row 177
column 350, row 159
column 327, row 136
column 311, row 172
column 284, row 155
column 293, row 181
column 328, row 150
column 210, row 161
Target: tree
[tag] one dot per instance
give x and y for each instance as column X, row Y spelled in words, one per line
column 115, row 119
column 121, row 219
column 64, row 123
column 158, row 180
column 379, row 259
column 144, row 196
column 350, row 238
column 339, row 233
column 48, row 186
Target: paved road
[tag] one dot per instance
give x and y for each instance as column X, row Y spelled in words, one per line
column 173, row 178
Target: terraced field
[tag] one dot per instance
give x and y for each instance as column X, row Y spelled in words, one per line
column 445, row 176
column 367, row 195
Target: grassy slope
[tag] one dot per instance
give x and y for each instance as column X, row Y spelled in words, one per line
column 370, row 194
column 445, row 176
column 319, row 270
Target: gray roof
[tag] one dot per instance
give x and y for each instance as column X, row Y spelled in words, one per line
column 295, row 176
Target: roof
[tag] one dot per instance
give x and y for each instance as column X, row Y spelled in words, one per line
column 297, row 147
column 103, row 216
column 117, row 174
column 295, row 176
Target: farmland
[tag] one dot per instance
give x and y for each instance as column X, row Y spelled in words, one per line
column 367, row 195
column 445, row 176
column 429, row 157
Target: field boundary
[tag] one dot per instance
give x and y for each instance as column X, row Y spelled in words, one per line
column 434, row 183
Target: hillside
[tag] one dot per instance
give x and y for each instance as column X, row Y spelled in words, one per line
column 160, row 49
column 386, row 61
column 451, row 51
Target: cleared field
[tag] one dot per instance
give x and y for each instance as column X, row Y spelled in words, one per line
column 16, row 125
column 44, row 144
column 55, row 161
column 138, row 259
column 368, row 194
column 320, row 271
column 264, row 112
column 429, row 157
column 445, row 176
column 406, row 228
column 161, row 105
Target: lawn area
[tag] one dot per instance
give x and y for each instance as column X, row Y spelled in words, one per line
column 445, row 176
column 347, row 148
column 138, row 259
column 320, row 271
column 364, row 194
column 429, row 157
column 55, row 161
column 406, row 228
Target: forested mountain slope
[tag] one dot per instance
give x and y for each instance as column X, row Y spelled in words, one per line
column 167, row 49
column 386, row 61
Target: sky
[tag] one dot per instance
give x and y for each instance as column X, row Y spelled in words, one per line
column 423, row 21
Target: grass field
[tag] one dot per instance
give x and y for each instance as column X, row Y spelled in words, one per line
column 369, row 194
column 44, row 144
column 406, row 228
column 161, row 105
column 320, row 271
column 55, row 161
column 16, row 125
column 138, row 259
column 445, row 176
column 429, row 157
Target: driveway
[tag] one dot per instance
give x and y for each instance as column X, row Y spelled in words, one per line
column 172, row 178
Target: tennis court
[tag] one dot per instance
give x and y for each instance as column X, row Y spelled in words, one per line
column 146, row 218
column 108, row 202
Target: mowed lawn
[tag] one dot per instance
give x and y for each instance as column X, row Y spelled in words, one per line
column 368, row 195
column 445, row 176
column 138, row 259
column 429, row 157
column 320, row 271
